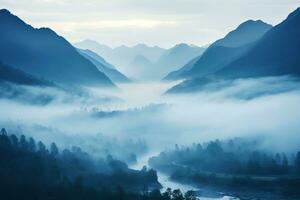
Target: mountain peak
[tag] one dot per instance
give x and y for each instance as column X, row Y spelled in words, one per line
column 9, row 19
column 250, row 25
column 140, row 45
column 5, row 11
column 181, row 45
column 295, row 13
column 31, row 49
column 184, row 46
column 89, row 41
column 276, row 54
column 247, row 32
column 251, row 21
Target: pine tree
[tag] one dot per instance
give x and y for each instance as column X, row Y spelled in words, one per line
column 3, row 131
column 54, row 149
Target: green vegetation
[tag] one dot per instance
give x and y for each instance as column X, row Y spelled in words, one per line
column 29, row 170
column 230, row 165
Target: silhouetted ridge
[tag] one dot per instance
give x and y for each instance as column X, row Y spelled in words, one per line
column 104, row 67
column 42, row 53
column 223, row 51
column 245, row 33
column 178, row 56
column 275, row 54
column 295, row 13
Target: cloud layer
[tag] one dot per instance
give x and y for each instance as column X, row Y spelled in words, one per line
column 266, row 107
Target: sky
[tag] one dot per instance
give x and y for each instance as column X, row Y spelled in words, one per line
column 153, row 22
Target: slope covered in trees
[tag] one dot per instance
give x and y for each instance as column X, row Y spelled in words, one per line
column 30, row 170
column 232, row 164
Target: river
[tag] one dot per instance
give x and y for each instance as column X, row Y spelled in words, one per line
column 142, row 94
column 167, row 183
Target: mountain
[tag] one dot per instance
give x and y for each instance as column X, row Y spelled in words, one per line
column 12, row 75
column 151, row 53
column 223, row 51
column 44, row 54
column 245, row 33
column 94, row 46
column 275, row 54
column 168, row 61
column 176, row 74
column 176, row 57
column 103, row 66
column 142, row 68
column 151, row 62
column 97, row 57
column 123, row 55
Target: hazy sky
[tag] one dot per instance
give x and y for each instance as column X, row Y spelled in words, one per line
column 154, row 22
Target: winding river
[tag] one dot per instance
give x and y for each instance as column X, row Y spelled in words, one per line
column 167, row 183
column 152, row 94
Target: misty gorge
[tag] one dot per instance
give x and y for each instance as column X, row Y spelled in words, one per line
column 149, row 102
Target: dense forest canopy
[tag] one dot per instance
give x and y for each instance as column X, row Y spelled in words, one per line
column 235, row 156
column 235, row 163
column 29, row 169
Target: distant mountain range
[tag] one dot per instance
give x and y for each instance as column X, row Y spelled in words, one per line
column 143, row 62
column 123, row 55
column 274, row 53
column 176, row 57
column 44, row 54
column 223, row 51
column 141, row 68
column 109, row 70
column 253, row 49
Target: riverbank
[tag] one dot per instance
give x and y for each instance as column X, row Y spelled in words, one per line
column 201, row 192
column 243, row 187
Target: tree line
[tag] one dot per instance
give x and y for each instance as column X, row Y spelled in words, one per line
column 233, row 157
column 233, row 166
column 30, row 170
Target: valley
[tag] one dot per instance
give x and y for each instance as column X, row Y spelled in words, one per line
column 83, row 120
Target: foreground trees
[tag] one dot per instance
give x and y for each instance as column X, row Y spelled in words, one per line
column 29, row 170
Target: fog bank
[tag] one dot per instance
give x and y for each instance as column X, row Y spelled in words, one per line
column 139, row 118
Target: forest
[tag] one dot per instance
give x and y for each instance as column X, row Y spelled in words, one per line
column 234, row 163
column 30, row 170
column 100, row 100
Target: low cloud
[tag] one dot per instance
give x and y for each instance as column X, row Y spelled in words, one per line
column 267, row 107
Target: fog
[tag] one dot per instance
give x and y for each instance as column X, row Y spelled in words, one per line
column 140, row 118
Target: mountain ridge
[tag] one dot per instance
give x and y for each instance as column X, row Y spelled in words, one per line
column 108, row 69
column 43, row 53
column 275, row 54
column 223, row 50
